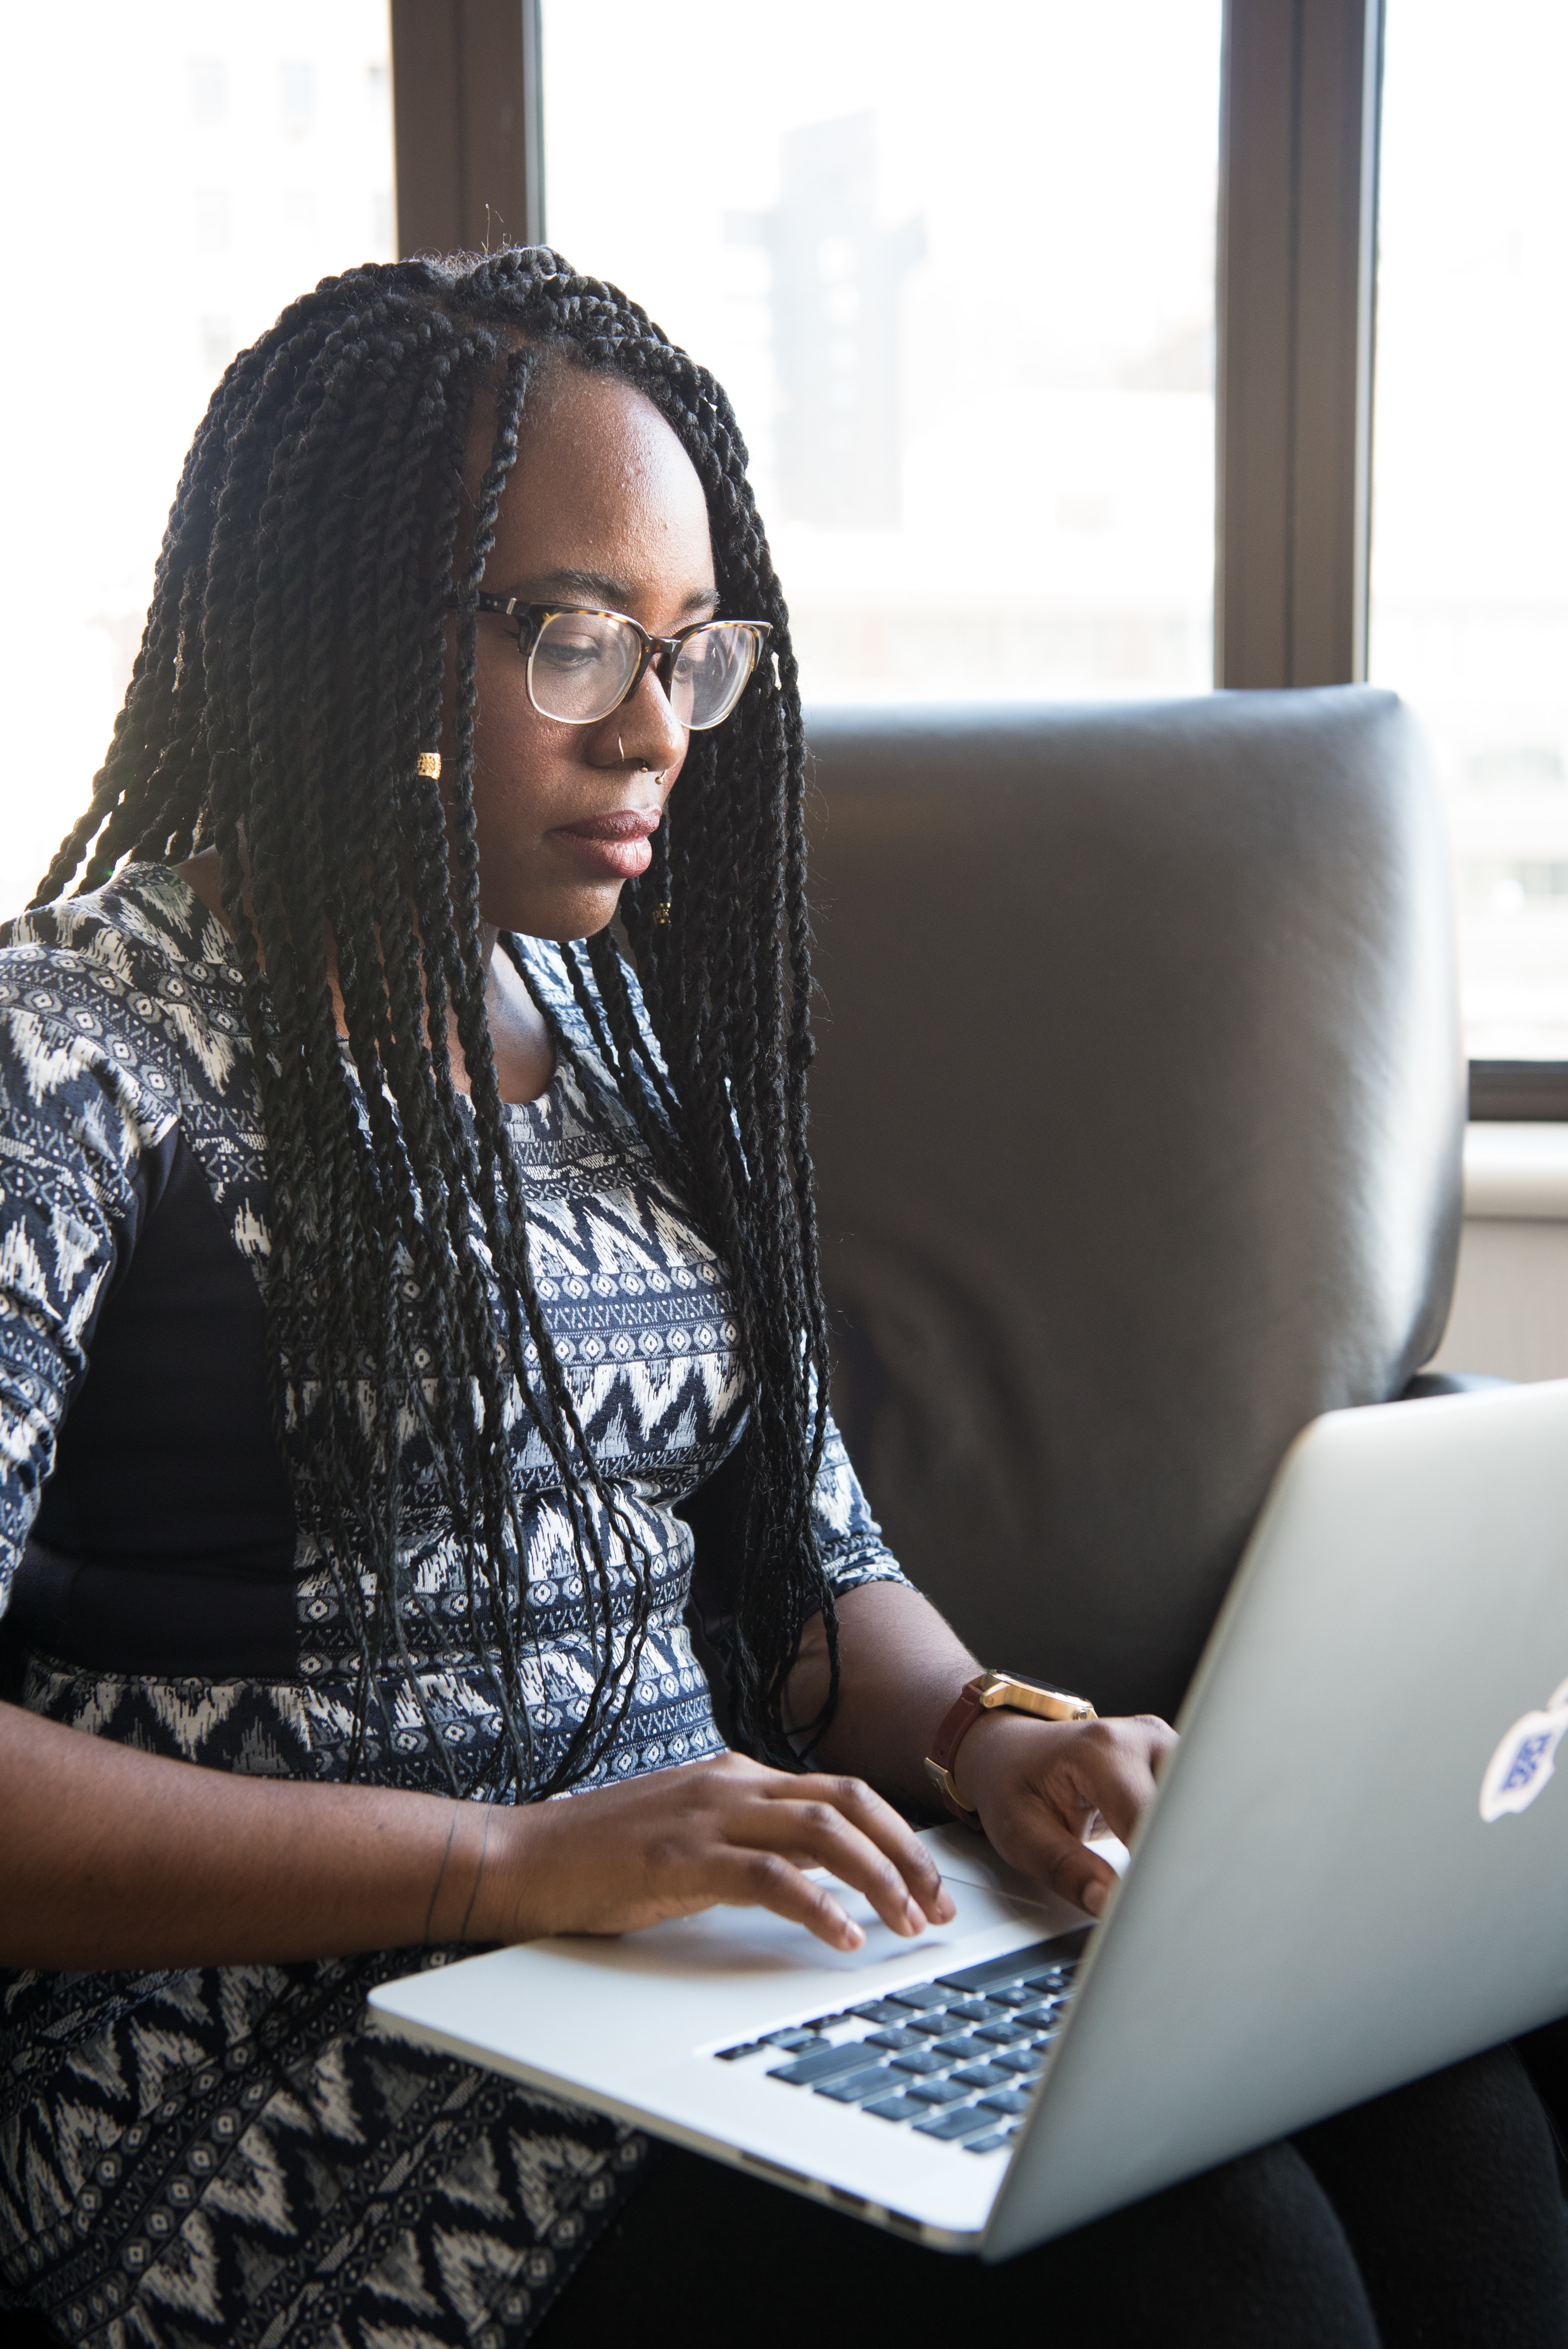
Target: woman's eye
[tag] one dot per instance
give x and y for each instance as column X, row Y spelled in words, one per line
column 569, row 653
column 700, row 655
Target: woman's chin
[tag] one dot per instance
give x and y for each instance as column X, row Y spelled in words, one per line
column 563, row 915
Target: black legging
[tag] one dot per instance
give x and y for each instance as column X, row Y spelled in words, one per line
column 1433, row 2216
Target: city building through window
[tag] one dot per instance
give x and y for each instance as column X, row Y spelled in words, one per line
column 959, row 284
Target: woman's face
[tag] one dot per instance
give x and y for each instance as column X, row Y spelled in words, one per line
column 602, row 507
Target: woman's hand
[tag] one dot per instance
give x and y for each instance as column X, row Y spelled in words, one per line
column 676, row 1841
column 113, row 1857
column 1038, row 1785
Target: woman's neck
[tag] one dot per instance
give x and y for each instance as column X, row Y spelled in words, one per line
column 520, row 1040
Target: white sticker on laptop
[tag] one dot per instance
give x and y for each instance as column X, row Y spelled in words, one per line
column 1525, row 1758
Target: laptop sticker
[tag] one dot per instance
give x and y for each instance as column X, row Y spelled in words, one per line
column 1525, row 1758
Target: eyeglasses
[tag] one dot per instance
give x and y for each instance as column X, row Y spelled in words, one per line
column 583, row 663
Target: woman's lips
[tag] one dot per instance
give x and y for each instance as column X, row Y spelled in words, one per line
column 616, row 845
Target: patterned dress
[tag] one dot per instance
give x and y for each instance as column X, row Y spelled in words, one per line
column 234, row 2158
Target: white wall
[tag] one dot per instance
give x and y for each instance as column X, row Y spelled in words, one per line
column 1511, row 1300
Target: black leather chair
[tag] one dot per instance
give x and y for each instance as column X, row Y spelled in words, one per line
column 1137, row 1116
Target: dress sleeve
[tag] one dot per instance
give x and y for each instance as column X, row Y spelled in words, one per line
column 851, row 1539
column 74, row 1125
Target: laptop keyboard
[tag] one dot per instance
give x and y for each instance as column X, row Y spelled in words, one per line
column 956, row 2058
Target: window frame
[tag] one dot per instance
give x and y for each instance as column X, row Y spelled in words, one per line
column 1301, row 101
column 468, row 125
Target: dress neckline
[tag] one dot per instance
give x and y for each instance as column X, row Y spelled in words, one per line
column 204, row 913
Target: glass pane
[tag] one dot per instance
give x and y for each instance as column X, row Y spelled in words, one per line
column 1469, row 547
column 956, row 272
column 174, row 176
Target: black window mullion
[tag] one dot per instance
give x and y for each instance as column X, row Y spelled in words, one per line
column 468, row 124
column 1296, row 247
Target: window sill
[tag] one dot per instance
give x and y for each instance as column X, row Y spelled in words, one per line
column 1516, row 1173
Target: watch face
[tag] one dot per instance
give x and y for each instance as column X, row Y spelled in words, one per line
column 1038, row 1697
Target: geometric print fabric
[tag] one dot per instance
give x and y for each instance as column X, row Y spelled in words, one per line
column 236, row 2154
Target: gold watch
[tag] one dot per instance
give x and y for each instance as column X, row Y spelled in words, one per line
column 993, row 1693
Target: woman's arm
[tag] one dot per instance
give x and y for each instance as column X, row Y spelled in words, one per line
column 114, row 1858
column 1036, row 1784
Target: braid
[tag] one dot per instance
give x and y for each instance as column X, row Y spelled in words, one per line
column 292, row 670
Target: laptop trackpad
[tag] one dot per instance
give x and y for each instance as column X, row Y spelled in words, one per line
column 741, row 1943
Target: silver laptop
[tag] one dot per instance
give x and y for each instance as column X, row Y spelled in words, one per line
column 1355, row 1871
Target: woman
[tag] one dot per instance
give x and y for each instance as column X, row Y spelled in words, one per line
column 385, row 1268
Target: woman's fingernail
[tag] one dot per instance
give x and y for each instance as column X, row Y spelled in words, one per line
column 945, row 1907
column 1094, row 1898
column 853, row 1937
column 915, row 1917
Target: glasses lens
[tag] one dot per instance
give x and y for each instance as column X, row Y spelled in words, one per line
column 710, row 672
column 581, row 665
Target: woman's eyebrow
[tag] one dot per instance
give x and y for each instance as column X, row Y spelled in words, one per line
column 597, row 587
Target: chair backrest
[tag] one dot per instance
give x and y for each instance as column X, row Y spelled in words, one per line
column 1137, row 1115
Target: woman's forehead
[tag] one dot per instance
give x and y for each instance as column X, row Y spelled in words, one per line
column 600, row 483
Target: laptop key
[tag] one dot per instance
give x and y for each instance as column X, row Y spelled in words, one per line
column 1002, row 2034
column 974, row 2009
column 1010, row 2101
column 964, row 2049
column 938, row 2092
column 894, row 2039
column 898, row 2108
column 788, row 2042
column 733, row 2055
column 983, row 2075
column 858, row 2085
column 879, row 2010
column 825, row 2065
column 1024, row 2061
column 971, row 1981
column 919, row 1994
column 969, row 2122
column 919, row 2062
column 934, row 2027
column 992, row 2143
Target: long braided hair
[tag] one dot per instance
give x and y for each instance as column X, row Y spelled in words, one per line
column 291, row 673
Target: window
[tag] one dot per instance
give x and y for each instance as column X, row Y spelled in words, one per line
column 176, row 175
column 209, row 89
column 957, row 276
column 1469, row 541
column 296, row 82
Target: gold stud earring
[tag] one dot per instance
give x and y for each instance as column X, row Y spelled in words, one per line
column 662, row 914
column 428, row 763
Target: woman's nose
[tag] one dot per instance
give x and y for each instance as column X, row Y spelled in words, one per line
column 646, row 729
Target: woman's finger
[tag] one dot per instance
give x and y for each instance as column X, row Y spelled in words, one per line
column 765, row 1879
column 1108, row 1768
column 877, row 1819
column 1070, row 1867
column 815, row 1834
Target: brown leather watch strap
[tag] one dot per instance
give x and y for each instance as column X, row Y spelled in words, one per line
column 960, row 1718
column 990, row 1693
